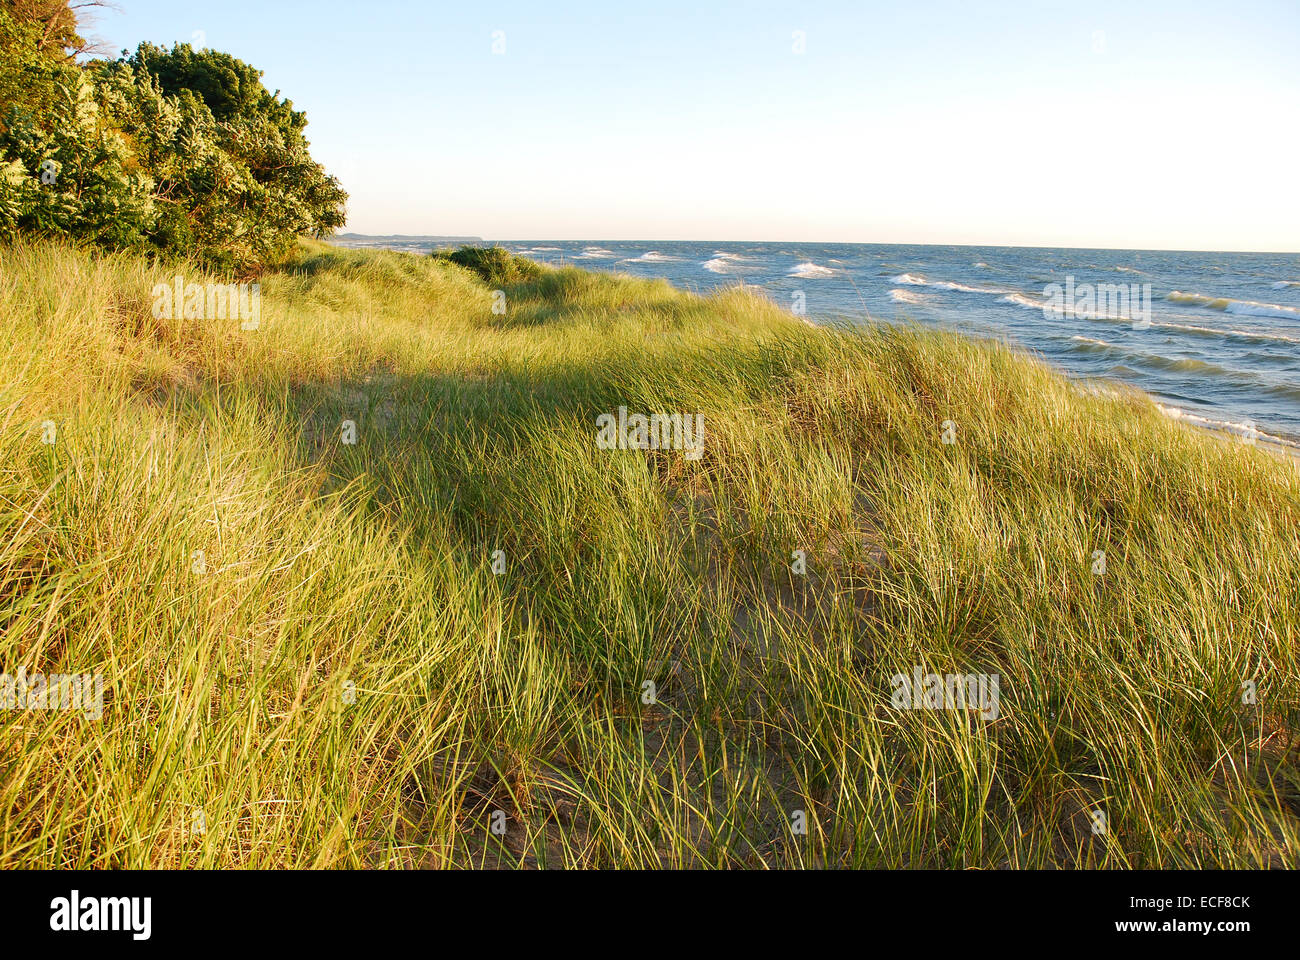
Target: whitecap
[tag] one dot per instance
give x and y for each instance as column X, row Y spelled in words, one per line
column 654, row 256
column 918, row 280
column 1217, row 332
column 909, row 296
column 1249, row 308
column 1020, row 300
column 723, row 262
column 809, row 269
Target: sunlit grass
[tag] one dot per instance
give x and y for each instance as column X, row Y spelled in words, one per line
column 343, row 680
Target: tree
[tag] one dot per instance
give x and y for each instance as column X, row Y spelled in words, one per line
column 268, row 175
column 179, row 151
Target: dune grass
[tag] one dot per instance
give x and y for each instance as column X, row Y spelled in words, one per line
column 321, row 654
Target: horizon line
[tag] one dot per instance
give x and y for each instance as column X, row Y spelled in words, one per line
column 850, row 243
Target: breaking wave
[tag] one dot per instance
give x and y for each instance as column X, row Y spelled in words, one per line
column 810, row 269
column 1249, row 308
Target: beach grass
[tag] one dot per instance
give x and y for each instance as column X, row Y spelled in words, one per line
column 435, row 646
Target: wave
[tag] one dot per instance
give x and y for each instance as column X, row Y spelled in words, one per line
column 1199, row 300
column 1029, row 303
column 1246, row 430
column 1240, row 307
column 911, row 279
column 1192, row 365
column 654, row 256
column 908, row 296
column 1283, row 284
column 918, row 280
column 1074, row 313
column 810, row 269
column 1020, row 300
column 1250, row 308
column 1217, row 332
column 727, row 263
column 1176, row 365
column 595, row 253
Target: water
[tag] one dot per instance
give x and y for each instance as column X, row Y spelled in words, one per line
column 1222, row 349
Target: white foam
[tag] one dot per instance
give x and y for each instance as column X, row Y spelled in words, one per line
column 962, row 288
column 654, row 256
column 595, row 253
column 724, row 262
column 1245, row 430
column 908, row 296
column 809, row 269
column 1065, row 310
column 917, row 280
column 1020, row 300
column 1249, row 308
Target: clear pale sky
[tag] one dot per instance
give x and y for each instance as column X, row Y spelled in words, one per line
column 1139, row 123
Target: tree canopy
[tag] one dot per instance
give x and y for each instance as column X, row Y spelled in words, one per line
column 179, row 151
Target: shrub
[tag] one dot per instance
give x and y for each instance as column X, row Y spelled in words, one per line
column 496, row 265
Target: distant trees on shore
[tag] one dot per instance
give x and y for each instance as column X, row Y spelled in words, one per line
column 183, row 152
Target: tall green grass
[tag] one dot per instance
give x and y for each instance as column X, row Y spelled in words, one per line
column 343, row 679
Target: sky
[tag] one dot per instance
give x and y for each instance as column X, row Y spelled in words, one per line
column 1134, row 124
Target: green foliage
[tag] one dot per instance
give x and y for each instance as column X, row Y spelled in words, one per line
column 496, row 265
column 53, row 22
column 75, row 177
column 251, row 187
column 178, row 151
column 29, row 69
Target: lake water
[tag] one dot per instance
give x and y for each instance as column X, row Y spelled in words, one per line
column 1221, row 349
